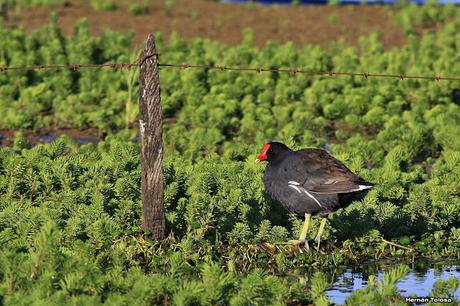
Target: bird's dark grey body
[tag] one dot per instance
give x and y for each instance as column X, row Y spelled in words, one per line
column 310, row 181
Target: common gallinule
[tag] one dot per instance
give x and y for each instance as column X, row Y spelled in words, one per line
column 309, row 182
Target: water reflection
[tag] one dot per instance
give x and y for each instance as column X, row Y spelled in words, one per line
column 418, row 282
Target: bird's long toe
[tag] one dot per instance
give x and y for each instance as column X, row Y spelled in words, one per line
column 307, row 247
column 294, row 242
column 300, row 243
column 318, row 242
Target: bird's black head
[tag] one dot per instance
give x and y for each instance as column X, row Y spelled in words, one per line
column 272, row 151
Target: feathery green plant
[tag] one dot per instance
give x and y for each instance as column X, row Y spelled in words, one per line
column 70, row 215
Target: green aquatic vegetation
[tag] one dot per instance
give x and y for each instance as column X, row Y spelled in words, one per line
column 140, row 8
column 70, row 215
column 106, row 5
column 70, row 232
column 445, row 289
column 169, row 5
column 400, row 135
column 7, row 5
column 61, row 97
column 409, row 16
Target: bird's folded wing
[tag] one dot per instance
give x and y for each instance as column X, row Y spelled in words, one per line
column 338, row 187
column 325, row 174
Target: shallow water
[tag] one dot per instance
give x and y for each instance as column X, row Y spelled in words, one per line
column 419, row 280
column 40, row 139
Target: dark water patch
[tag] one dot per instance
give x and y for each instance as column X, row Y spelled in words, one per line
column 47, row 138
column 7, row 136
column 86, row 140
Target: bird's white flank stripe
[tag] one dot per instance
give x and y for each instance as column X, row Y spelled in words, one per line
column 311, row 196
column 294, row 185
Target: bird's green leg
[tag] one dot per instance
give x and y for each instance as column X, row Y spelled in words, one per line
column 303, row 233
column 320, row 232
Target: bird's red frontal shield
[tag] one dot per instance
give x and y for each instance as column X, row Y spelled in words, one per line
column 263, row 156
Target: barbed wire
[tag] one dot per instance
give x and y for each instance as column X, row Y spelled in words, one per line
column 294, row 71
column 313, row 72
column 76, row 67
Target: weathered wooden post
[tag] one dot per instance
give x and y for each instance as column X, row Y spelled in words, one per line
column 151, row 130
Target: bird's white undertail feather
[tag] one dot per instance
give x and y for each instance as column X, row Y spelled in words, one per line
column 362, row 187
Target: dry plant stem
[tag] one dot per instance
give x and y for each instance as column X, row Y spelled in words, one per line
column 37, row 263
column 397, row 245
